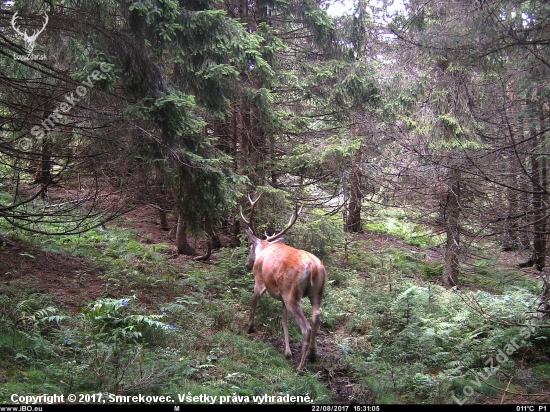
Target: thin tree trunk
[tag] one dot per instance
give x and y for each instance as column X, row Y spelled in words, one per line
column 43, row 174
column 544, row 302
column 525, row 237
column 538, row 217
column 451, row 215
column 240, row 162
column 236, row 230
column 181, row 238
column 511, row 240
column 272, row 161
column 163, row 220
column 354, row 214
column 538, row 257
column 541, row 263
column 208, row 253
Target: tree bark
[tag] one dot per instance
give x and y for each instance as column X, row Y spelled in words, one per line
column 538, row 257
column 208, row 253
column 511, row 239
column 354, row 223
column 525, row 236
column 544, row 191
column 544, row 302
column 451, row 215
column 163, row 220
column 182, row 245
column 43, row 174
column 539, row 186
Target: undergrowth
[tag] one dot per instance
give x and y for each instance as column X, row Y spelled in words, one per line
column 389, row 333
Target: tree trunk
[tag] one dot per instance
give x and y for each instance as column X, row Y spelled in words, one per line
column 451, row 214
column 539, row 186
column 43, row 174
column 525, row 234
column 236, row 230
column 544, row 303
column 511, row 239
column 208, row 253
column 539, row 219
column 356, row 195
column 215, row 240
column 544, row 192
column 163, row 220
column 183, row 247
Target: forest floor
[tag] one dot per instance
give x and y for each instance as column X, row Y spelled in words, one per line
column 62, row 273
column 75, row 283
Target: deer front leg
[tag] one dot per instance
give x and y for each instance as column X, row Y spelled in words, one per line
column 259, row 290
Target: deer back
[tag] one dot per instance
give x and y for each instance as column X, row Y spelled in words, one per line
column 284, row 269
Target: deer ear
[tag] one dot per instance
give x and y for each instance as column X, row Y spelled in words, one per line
column 251, row 236
column 278, row 240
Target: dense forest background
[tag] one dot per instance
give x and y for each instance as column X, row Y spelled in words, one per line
column 413, row 133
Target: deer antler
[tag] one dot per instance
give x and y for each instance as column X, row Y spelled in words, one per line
column 250, row 221
column 288, row 226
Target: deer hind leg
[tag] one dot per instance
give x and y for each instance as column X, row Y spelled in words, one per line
column 259, row 290
column 316, row 309
column 295, row 309
column 288, row 352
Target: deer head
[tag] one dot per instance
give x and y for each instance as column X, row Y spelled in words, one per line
column 256, row 243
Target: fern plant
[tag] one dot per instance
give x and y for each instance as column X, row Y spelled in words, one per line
column 111, row 322
column 108, row 345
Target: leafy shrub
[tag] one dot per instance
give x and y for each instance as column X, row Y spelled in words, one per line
column 111, row 323
column 408, row 262
column 230, row 262
column 106, row 348
column 432, row 270
column 320, row 235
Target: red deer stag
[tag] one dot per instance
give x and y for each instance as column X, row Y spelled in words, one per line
column 287, row 274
